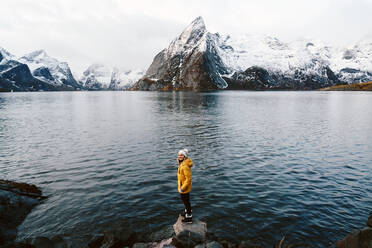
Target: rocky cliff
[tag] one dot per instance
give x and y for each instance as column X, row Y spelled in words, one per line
column 200, row 60
column 190, row 62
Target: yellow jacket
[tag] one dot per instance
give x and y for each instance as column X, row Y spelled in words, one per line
column 185, row 176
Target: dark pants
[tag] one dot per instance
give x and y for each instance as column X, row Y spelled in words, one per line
column 186, row 201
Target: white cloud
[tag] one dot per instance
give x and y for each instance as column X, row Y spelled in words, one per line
column 129, row 33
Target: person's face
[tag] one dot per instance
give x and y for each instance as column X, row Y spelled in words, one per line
column 181, row 157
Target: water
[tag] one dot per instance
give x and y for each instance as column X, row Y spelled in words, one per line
column 267, row 164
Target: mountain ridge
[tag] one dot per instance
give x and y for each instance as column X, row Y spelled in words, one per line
column 37, row 71
column 253, row 62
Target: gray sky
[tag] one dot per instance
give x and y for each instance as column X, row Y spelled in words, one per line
column 128, row 34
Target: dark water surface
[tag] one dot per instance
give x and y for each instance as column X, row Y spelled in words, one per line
column 267, row 164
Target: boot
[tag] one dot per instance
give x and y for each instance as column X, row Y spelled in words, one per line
column 187, row 219
column 183, row 214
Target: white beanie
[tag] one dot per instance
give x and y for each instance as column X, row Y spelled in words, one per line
column 184, row 152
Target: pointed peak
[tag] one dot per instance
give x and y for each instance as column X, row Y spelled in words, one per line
column 198, row 20
column 198, row 23
column 5, row 53
column 191, row 37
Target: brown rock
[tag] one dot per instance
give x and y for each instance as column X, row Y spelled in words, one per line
column 369, row 221
column 350, row 241
column 365, row 238
column 197, row 226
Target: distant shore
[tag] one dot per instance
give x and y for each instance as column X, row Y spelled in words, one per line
column 350, row 87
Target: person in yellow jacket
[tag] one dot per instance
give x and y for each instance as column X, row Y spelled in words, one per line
column 185, row 182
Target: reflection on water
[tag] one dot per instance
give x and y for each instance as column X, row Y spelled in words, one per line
column 267, row 164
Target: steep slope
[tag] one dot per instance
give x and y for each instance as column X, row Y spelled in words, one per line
column 200, row 60
column 189, row 63
column 122, row 80
column 16, row 76
column 101, row 77
column 48, row 69
column 353, row 64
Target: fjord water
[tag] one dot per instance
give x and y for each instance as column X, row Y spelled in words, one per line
column 267, row 164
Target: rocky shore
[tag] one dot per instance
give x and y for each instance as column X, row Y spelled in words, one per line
column 367, row 86
column 18, row 199
column 358, row 238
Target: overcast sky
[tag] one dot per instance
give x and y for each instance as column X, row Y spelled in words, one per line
column 128, row 34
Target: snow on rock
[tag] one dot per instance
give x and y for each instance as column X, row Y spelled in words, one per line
column 123, row 79
column 200, row 60
column 101, row 77
column 189, row 63
column 193, row 36
column 5, row 56
column 352, row 64
column 97, row 76
column 60, row 71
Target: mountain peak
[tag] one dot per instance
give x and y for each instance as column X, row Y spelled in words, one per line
column 5, row 53
column 196, row 26
column 189, row 38
column 198, row 23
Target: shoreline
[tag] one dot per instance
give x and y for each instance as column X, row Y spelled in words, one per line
column 25, row 196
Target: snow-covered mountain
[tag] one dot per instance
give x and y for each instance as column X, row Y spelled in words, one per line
column 38, row 71
column 17, row 76
column 200, row 60
column 48, row 69
column 101, row 77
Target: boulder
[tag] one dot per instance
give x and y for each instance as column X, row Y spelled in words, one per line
column 197, row 226
column 245, row 244
column 162, row 234
column 166, row 243
column 118, row 236
column 212, row 244
column 189, row 235
column 365, row 238
column 357, row 239
column 42, row 242
column 143, row 245
column 16, row 201
column 369, row 221
column 187, row 239
column 227, row 244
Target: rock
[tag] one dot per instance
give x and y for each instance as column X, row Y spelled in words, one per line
column 96, row 241
column 365, row 238
column 190, row 62
column 162, row 234
column 189, row 235
column 59, row 242
column 16, row 201
column 245, row 244
column 166, row 243
column 187, row 239
column 227, row 244
column 42, row 242
column 144, row 245
column 118, row 236
column 357, row 239
column 197, row 226
column 369, row 221
column 212, row 244
column 19, row 245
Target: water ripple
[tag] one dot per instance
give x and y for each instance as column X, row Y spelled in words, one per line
column 267, row 164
